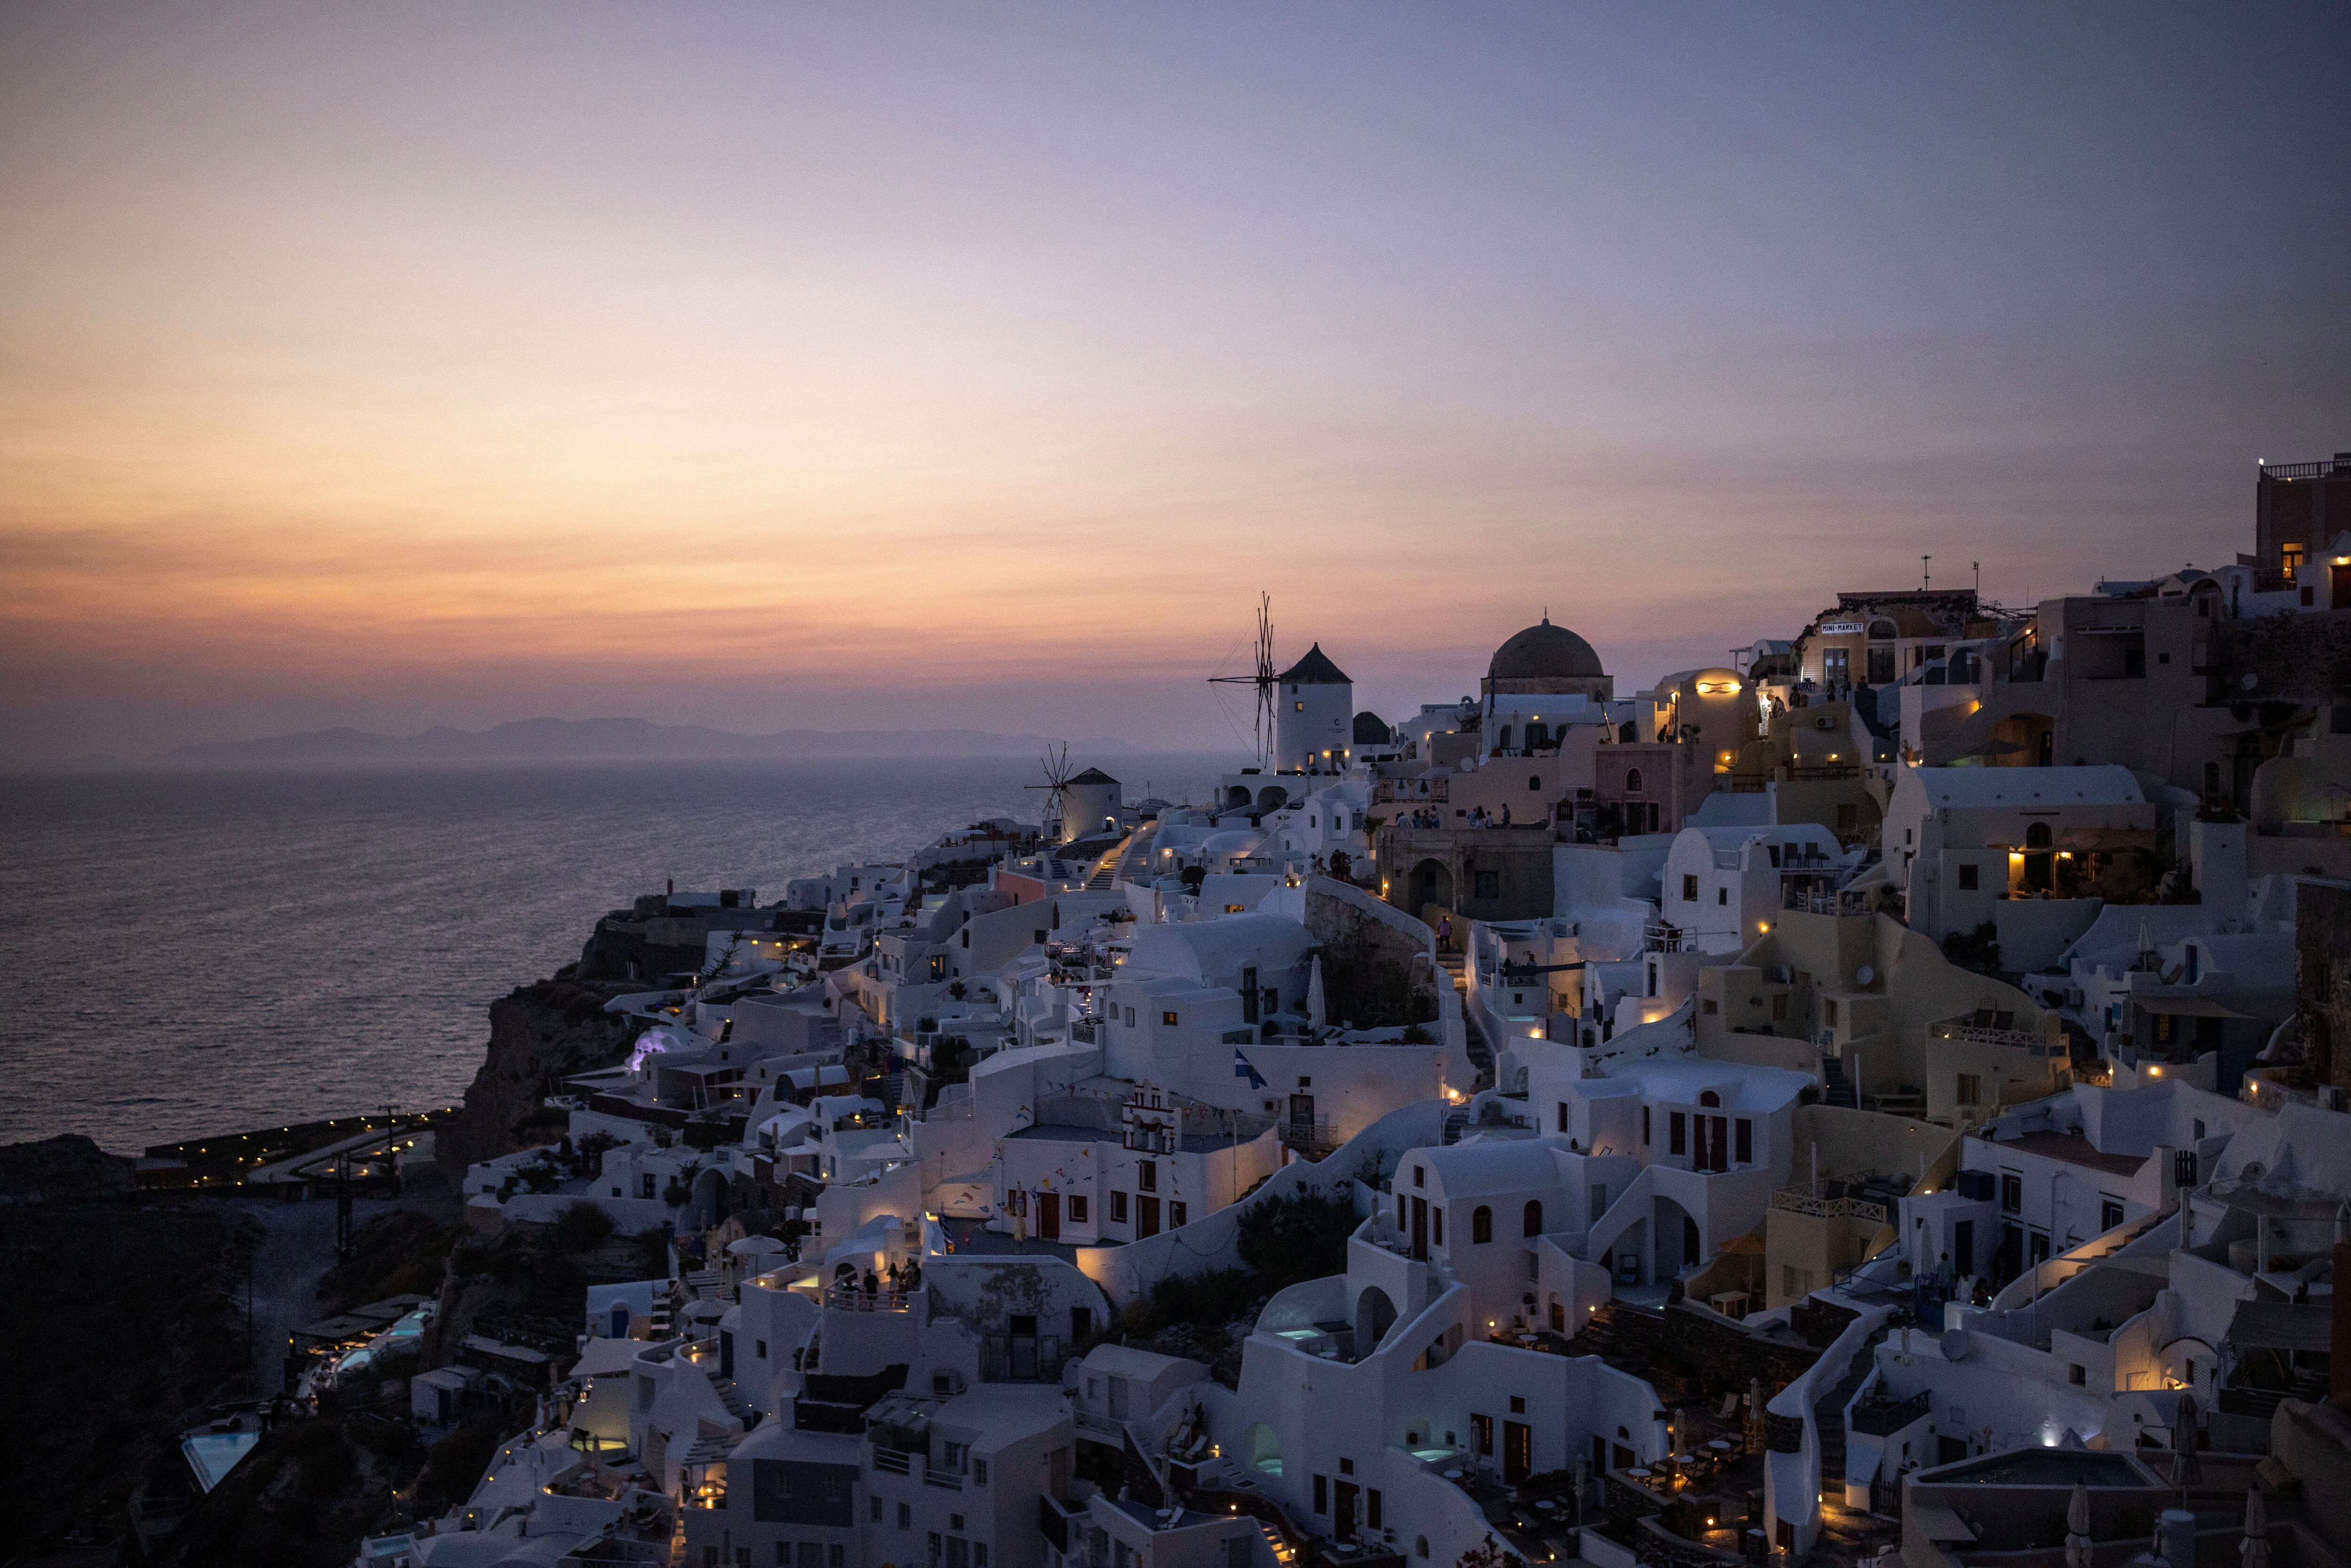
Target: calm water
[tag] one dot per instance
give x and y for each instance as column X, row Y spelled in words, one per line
column 183, row 953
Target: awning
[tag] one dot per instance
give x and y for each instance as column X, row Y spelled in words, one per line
column 2283, row 1325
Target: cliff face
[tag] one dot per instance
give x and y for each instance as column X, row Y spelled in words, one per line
column 538, row 1034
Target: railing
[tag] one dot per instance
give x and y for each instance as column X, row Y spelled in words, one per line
column 1398, row 791
column 946, row 1480
column 850, row 1299
column 1789, row 1201
column 1884, row 1417
column 2318, row 470
column 893, row 1461
column 1972, row 1033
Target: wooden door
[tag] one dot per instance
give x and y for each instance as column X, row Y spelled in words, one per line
column 1146, row 1216
column 1420, row 1229
column 1517, row 1452
column 1342, row 1510
column 1048, row 1216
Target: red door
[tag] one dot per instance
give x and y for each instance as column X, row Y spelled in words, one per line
column 1048, row 1216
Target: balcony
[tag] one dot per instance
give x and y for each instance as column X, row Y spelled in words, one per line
column 1986, row 1027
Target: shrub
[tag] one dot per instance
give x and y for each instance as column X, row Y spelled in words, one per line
column 580, row 1227
column 1287, row 1239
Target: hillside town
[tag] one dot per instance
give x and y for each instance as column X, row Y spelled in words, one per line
column 1875, row 1097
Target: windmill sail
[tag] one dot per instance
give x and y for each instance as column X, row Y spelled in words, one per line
column 1262, row 679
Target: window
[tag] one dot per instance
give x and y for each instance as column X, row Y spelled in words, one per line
column 1829, row 1011
column 2291, row 555
column 1534, row 781
column 1677, row 1133
column 1633, row 781
column 760, row 1348
column 1146, row 1175
column 1346, row 1467
column 1420, row 1175
column 1130, row 1017
column 1645, row 1124
column 1176, row 1214
column 1322, row 1494
column 1436, row 1225
column 1970, row 1089
column 980, row 1472
column 2012, row 1192
column 1709, row 1006
column 1722, row 895
column 1743, row 1141
column 1533, row 1218
column 1482, row 1225
column 874, row 1509
column 1298, row 707
column 2077, row 1374
column 1118, row 1208
column 1168, row 1018
column 1689, row 887
column 1562, row 1115
column 1077, row 1201
column 2110, row 1212
column 1482, row 1428
column 1966, row 879
column 1372, row 1508
column 905, row 1517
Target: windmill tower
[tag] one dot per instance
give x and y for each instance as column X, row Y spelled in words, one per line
column 1056, row 763
column 1262, row 678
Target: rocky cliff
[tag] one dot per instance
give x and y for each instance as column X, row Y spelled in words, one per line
column 538, row 1034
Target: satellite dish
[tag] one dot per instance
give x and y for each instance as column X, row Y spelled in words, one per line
column 1955, row 1344
column 1864, row 975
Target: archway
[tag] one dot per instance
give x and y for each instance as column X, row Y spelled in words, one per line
column 1432, row 885
column 1677, row 1243
column 1265, row 1450
column 1272, row 797
column 1237, row 799
column 1374, row 1315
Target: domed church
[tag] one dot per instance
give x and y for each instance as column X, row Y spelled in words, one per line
column 1545, row 660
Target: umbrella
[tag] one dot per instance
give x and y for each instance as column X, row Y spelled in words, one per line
column 2077, row 1528
column 2253, row 1552
column 2184, row 1473
column 1314, row 1007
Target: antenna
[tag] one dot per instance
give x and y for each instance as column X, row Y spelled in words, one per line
column 1926, row 580
column 1261, row 678
column 1056, row 763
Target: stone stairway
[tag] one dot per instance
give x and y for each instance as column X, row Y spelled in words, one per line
column 1828, row 1413
column 1482, row 1053
column 1836, row 1088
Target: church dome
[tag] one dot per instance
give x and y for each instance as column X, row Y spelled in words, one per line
column 1544, row 652
column 1372, row 731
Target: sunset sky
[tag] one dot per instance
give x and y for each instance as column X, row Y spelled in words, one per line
column 892, row 366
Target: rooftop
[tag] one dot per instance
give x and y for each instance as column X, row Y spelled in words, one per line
column 2073, row 1149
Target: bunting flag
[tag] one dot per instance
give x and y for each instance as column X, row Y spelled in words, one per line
column 1242, row 1069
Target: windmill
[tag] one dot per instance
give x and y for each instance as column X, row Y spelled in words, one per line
column 1261, row 678
column 1056, row 763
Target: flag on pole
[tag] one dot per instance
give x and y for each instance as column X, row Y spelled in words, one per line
column 1242, row 1069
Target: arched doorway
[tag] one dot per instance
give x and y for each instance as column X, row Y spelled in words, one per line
column 1432, row 885
column 1374, row 1315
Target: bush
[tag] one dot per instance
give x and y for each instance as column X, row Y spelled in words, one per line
column 1288, row 1239
column 580, row 1227
column 1202, row 1300
column 455, row 1466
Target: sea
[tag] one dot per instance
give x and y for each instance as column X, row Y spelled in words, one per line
column 190, row 953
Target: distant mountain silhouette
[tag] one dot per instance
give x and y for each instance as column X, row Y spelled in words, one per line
column 608, row 740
